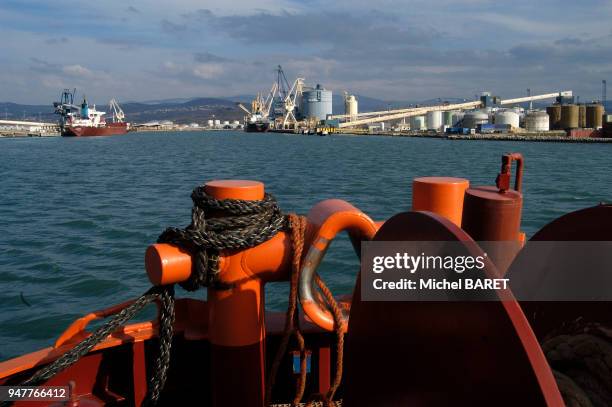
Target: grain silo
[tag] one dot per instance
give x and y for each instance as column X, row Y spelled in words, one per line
column 351, row 107
column 569, row 117
column 554, row 114
column 582, row 116
column 537, row 121
column 447, row 118
column 317, row 103
column 594, row 116
column 434, row 120
column 417, row 123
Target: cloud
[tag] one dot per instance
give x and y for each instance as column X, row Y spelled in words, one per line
column 124, row 44
column 54, row 41
column 332, row 29
column 208, row 71
column 206, row 57
column 171, row 28
column 78, row 71
column 429, row 48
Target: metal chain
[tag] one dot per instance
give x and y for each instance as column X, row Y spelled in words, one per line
column 243, row 224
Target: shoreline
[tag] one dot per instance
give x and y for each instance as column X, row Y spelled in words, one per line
column 552, row 137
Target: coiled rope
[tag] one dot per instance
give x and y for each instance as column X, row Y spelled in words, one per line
column 580, row 355
column 244, row 224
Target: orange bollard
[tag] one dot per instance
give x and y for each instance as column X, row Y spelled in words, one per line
column 440, row 195
column 236, row 315
column 236, row 319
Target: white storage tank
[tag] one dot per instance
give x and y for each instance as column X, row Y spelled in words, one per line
column 210, row 123
column 351, row 106
column 417, row 123
column 434, row 120
column 471, row 120
column 537, row 121
column 507, row 117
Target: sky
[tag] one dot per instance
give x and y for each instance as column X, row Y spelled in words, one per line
column 139, row 50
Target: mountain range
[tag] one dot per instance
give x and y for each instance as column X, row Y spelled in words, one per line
column 200, row 110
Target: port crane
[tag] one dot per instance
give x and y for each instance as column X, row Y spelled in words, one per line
column 66, row 103
column 290, row 103
column 377, row 117
column 118, row 115
column 261, row 106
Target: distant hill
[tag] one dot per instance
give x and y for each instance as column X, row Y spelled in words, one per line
column 191, row 110
column 201, row 109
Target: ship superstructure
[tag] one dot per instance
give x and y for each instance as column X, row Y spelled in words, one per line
column 86, row 120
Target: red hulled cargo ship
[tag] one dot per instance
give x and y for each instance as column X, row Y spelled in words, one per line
column 86, row 121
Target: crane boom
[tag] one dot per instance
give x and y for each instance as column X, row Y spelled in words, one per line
column 240, row 105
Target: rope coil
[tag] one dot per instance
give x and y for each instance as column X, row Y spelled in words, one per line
column 244, row 224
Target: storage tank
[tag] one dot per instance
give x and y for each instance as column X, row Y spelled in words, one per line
column 317, row 103
column 457, row 118
column 447, row 118
column 582, row 116
column 569, row 117
column 507, row 117
column 472, row 119
column 537, row 121
column 554, row 114
column 210, row 123
column 351, row 106
column 417, row 123
column 594, row 116
column 434, row 120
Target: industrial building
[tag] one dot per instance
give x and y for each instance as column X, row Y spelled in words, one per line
column 301, row 108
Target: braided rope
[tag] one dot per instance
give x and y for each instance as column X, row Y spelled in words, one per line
column 244, row 224
column 165, row 295
column 298, row 228
column 581, row 355
column 339, row 329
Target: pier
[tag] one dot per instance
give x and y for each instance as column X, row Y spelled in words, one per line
column 18, row 128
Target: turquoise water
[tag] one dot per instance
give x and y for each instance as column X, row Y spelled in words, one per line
column 76, row 214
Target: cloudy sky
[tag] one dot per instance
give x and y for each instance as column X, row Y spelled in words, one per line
column 394, row 50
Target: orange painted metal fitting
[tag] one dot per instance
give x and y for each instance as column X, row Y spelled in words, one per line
column 236, row 315
column 440, row 195
column 325, row 221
